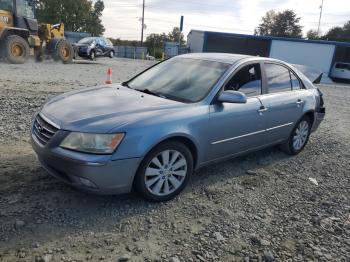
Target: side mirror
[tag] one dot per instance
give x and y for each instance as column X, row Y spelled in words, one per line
column 233, row 97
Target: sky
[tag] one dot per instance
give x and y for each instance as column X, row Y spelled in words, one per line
column 122, row 18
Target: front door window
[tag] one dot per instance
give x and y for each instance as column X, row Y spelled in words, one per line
column 247, row 80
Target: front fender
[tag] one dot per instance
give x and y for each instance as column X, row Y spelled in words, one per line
column 140, row 140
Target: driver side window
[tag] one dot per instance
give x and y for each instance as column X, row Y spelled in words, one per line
column 247, row 80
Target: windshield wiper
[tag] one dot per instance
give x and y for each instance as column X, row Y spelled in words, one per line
column 147, row 91
column 126, row 84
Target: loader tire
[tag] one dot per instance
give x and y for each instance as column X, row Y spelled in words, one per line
column 64, row 52
column 17, row 49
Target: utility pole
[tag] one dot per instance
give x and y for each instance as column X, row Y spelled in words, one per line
column 143, row 21
column 319, row 20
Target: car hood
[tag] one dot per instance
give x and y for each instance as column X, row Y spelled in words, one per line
column 102, row 109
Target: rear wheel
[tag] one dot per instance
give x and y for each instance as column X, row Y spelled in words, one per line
column 299, row 137
column 164, row 172
column 16, row 49
column 64, row 52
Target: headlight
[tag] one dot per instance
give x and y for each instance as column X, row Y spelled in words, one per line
column 92, row 143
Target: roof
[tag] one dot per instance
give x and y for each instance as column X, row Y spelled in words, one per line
column 218, row 57
column 324, row 42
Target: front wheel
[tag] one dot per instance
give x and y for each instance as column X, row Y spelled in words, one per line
column 111, row 54
column 64, row 52
column 299, row 137
column 164, row 172
column 92, row 55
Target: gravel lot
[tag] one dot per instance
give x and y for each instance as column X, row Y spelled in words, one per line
column 260, row 207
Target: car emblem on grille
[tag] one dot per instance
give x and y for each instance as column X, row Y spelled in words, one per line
column 40, row 129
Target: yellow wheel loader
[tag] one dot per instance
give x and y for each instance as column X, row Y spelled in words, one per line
column 20, row 33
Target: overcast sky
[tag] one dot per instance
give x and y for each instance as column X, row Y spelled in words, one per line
column 121, row 17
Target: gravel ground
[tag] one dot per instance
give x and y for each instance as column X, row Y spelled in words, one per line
column 260, row 207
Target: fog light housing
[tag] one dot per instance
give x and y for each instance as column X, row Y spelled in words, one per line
column 86, row 182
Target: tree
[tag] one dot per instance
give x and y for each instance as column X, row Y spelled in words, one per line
column 268, row 21
column 77, row 15
column 175, row 35
column 312, row 35
column 155, row 42
column 338, row 33
column 283, row 24
column 96, row 26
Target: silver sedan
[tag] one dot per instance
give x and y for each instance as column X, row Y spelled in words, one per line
column 151, row 132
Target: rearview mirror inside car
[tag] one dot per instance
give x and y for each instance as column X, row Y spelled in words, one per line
column 230, row 96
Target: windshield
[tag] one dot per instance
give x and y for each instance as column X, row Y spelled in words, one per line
column 181, row 79
column 87, row 40
column 25, row 8
column 6, row 5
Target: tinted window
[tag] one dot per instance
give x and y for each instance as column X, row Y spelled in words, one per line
column 87, row 40
column 246, row 80
column 278, row 78
column 6, row 5
column 340, row 66
column 181, row 79
column 295, row 82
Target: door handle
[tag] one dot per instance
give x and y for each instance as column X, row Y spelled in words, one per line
column 299, row 102
column 262, row 109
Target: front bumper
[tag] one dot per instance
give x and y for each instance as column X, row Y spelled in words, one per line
column 319, row 116
column 104, row 176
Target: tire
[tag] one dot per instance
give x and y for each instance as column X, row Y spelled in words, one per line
column 169, row 178
column 111, row 54
column 64, row 52
column 17, row 49
column 291, row 147
column 92, row 55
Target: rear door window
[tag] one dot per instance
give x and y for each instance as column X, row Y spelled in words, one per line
column 278, row 78
column 296, row 84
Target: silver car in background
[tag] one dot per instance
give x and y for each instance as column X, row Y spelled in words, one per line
column 151, row 132
column 340, row 72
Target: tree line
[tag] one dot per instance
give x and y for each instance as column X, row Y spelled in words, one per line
column 287, row 24
column 77, row 15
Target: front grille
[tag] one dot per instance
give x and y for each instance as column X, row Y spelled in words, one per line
column 43, row 131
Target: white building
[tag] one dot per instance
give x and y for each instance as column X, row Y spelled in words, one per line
column 319, row 55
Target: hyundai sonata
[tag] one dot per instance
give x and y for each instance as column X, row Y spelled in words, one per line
column 150, row 133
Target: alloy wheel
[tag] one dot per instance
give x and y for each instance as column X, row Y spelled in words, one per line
column 165, row 173
column 300, row 135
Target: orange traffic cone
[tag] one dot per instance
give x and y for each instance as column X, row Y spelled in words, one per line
column 109, row 77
